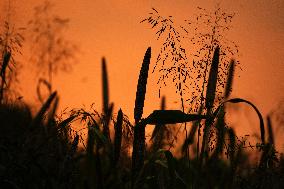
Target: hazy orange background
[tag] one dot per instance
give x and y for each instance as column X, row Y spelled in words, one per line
column 111, row 28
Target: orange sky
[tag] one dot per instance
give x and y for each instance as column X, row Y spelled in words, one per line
column 112, row 29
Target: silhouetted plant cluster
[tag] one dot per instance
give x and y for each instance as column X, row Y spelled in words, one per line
column 204, row 33
column 47, row 150
column 41, row 152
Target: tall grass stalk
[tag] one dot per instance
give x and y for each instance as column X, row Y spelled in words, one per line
column 210, row 97
column 139, row 128
column 141, row 87
column 106, row 108
column 6, row 60
column 117, row 137
column 230, row 77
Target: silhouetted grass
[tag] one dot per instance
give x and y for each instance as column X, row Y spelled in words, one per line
column 41, row 152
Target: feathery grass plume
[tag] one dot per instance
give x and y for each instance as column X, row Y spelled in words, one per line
column 141, row 86
column 105, row 99
column 230, row 77
column 171, row 117
column 117, row 137
column 270, row 131
column 212, row 80
column 40, row 115
column 190, row 138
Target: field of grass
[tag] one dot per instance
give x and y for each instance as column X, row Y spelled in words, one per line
column 42, row 150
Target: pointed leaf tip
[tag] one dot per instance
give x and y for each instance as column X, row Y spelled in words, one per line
column 141, row 86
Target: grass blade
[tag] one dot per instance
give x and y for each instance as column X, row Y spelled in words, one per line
column 66, row 122
column 118, row 137
column 171, row 117
column 40, row 115
column 105, row 87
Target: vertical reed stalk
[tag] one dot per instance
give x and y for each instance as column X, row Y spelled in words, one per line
column 139, row 128
column 6, row 60
column 106, row 109
column 210, row 97
column 117, row 137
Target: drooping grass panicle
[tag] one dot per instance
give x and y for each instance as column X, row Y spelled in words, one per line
column 141, row 86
